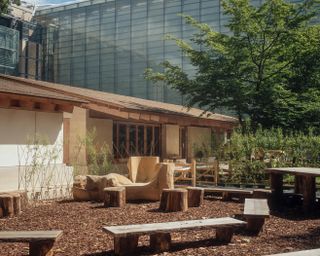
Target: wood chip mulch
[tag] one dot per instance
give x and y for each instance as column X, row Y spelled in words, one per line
column 81, row 223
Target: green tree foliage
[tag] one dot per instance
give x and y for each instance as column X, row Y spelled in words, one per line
column 266, row 68
column 4, row 4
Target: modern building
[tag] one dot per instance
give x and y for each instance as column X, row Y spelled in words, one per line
column 20, row 44
column 128, row 125
column 106, row 44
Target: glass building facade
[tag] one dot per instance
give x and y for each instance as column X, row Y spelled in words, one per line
column 9, row 49
column 106, row 45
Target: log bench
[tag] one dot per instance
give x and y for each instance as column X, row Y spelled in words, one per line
column 126, row 237
column 228, row 193
column 255, row 212
column 314, row 252
column 40, row 242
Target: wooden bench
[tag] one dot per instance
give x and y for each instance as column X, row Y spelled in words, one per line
column 126, row 237
column 314, row 252
column 228, row 193
column 255, row 212
column 40, row 242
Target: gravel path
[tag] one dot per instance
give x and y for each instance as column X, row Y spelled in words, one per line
column 81, row 224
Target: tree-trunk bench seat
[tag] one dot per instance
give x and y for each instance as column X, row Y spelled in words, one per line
column 314, row 252
column 126, row 237
column 228, row 192
column 40, row 242
column 255, row 212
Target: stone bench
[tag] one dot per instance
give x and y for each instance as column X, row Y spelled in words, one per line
column 255, row 212
column 314, row 252
column 40, row 242
column 126, row 237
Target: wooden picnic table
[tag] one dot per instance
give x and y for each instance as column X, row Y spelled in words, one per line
column 305, row 184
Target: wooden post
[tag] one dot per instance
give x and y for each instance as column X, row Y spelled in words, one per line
column 195, row 196
column 41, row 248
column 173, row 200
column 309, row 192
column 276, row 188
column 255, row 225
column 160, row 242
column 114, row 197
column 193, row 173
column 125, row 245
column 224, row 235
column 6, row 204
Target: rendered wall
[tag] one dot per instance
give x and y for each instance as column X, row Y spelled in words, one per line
column 198, row 136
column 170, row 141
column 104, row 130
column 17, row 130
column 78, row 132
column 19, row 127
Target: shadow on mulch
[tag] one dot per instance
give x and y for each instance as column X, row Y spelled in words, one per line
column 296, row 214
column 175, row 247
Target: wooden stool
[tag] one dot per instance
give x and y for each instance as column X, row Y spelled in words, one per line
column 114, row 197
column 195, row 196
column 10, row 204
column 174, row 200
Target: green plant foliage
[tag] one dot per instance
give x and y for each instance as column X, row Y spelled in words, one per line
column 251, row 152
column 4, row 4
column 267, row 68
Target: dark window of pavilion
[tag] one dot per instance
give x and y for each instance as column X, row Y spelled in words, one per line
column 135, row 140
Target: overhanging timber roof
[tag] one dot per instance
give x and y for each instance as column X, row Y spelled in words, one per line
column 131, row 108
column 15, row 94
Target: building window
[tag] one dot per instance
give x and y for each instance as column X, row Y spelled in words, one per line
column 135, row 140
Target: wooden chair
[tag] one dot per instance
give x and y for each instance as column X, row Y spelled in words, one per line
column 185, row 173
column 208, row 172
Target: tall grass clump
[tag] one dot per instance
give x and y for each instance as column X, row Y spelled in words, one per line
column 249, row 152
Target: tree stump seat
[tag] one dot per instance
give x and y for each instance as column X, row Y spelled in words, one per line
column 174, row 200
column 40, row 242
column 114, row 197
column 195, row 196
column 255, row 212
column 10, row 204
column 126, row 236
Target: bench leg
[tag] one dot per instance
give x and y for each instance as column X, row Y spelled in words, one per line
column 41, row 248
column 255, row 225
column 226, row 196
column 224, row 235
column 125, row 245
column 160, row 242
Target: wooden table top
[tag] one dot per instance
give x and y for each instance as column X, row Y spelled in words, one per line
column 305, row 171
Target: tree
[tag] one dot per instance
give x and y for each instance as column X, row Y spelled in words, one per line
column 4, row 4
column 252, row 70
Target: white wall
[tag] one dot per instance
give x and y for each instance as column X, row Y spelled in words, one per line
column 19, row 127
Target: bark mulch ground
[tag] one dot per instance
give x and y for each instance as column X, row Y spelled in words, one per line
column 81, row 223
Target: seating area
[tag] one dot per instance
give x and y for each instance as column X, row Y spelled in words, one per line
column 151, row 182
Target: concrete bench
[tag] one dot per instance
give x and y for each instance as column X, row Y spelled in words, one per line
column 40, row 242
column 255, row 212
column 314, row 252
column 126, row 237
column 228, row 192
